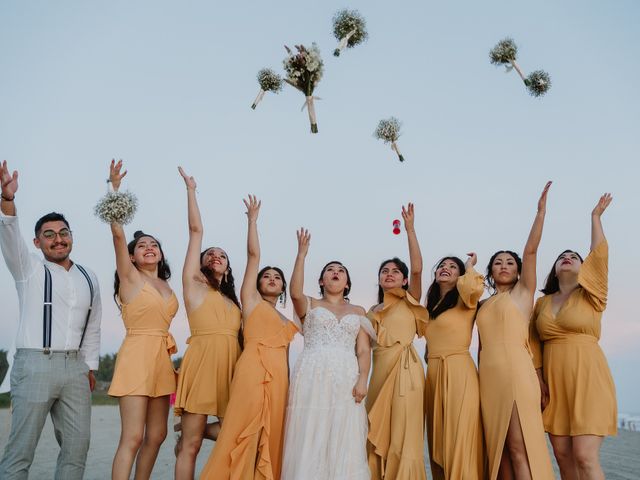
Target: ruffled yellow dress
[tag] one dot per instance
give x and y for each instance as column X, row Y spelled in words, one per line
column 452, row 393
column 582, row 395
column 143, row 365
column 508, row 380
column 251, row 440
column 395, row 444
column 209, row 362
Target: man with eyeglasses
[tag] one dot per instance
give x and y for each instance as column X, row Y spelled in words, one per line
column 57, row 344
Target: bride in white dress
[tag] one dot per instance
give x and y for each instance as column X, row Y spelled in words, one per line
column 326, row 424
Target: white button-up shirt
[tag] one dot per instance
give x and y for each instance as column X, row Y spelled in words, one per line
column 70, row 299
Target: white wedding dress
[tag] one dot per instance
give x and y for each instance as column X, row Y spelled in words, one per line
column 325, row 429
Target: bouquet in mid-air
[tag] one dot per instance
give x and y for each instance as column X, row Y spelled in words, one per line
column 389, row 131
column 304, row 69
column 117, row 207
column 349, row 28
column 505, row 53
column 269, row 81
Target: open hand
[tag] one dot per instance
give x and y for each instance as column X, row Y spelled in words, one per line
column 253, row 207
column 542, row 203
column 115, row 177
column 304, row 239
column 408, row 217
column 9, row 181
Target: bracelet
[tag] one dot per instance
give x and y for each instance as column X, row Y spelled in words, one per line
column 7, row 199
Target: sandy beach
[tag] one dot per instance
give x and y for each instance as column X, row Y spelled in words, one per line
column 620, row 455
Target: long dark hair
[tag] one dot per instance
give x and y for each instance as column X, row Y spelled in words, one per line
column 491, row 283
column 227, row 285
column 164, row 272
column 283, row 295
column 347, row 289
column 551, row 284
column 401, row 266
column 435, row 306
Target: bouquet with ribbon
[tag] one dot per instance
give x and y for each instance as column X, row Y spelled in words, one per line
column 505, row 53
column 304, row 70
column 269, row 81
column 389, row 131
column 349, row 28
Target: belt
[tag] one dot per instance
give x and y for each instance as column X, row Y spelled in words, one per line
column 199, row 332
column 155, row 332
column 49, row 351
column 574, row 338
column 439, row 405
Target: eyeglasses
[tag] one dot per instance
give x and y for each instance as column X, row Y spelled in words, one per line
column 51, row 235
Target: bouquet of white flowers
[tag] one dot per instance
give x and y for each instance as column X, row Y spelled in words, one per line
column 269, row 81
column 304, row 70
column 117, row 207
column 505, row 52
column 349, row 28
column 389, row 131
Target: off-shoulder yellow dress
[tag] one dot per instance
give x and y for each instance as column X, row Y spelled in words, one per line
column 508, row 380
column 395, row 444
column 143, row 365
column 209, row 362
column 452, row 393
column 250, row 443
column 582, row 396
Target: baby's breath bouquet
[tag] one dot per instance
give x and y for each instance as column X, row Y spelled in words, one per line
column 389, row 131
column 350, row 28
column 505, row 53
column 117, row 207
column 304, row 70
column 269, row 81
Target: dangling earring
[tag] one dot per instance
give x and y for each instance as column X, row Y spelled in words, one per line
column 282, row 300
column 225, row 276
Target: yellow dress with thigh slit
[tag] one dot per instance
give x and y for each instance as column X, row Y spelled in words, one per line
column 508, row 380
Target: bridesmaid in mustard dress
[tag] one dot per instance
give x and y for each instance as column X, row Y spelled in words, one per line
column 582, row 398
column 250, row 443
column 214, row 320
column 144, row 377
column 510, row 395
column 395, row 443
column 452, row 394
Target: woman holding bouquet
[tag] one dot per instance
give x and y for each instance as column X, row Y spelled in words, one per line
column 582, row 396
column 326, row 426
column 250, row 443
column 144, row 377
column 395, row 444
column 510, row 393
column 214, row 320
column 452, row 395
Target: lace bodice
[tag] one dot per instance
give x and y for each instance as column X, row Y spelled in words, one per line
column 322, row 329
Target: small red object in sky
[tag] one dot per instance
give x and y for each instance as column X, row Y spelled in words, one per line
column 396, row 227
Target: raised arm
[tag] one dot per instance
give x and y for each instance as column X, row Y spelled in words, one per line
column 527, row 283
column 125, row 268
column 597, row 233
column 296, row 286
column 249, row 295
column 9, row 189
column 415, row 256
column 191, row 268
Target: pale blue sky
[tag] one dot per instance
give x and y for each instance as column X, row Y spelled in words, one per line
column 162, row 83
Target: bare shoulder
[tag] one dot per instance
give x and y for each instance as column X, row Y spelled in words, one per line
column 356, row 309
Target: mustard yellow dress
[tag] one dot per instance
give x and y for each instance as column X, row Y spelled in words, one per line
column 452, row 393
column 582, row 395
column 395, row 443
column 209, row 362
column 143, row 365
column 508, row 380
column 250, row 443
